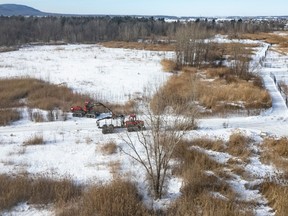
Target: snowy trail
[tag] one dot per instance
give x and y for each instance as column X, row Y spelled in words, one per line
column 274, row 121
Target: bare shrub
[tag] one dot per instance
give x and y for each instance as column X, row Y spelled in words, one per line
column 109, row 148
column 119, row 197
column 7, row 116
column 34, row 140
column 158, row 145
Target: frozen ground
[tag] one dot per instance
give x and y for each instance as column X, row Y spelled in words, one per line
column 115, row 75
column 72, row 147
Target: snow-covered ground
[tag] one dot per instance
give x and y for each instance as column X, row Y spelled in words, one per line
column 115, row 75
column 72, row 147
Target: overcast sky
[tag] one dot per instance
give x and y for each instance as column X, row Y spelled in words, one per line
column 161, row 7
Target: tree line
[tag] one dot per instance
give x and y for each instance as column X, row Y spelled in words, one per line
column 18, row 30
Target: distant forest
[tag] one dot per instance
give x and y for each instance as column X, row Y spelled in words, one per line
column 18, row 30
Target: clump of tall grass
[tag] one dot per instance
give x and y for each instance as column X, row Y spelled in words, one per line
column 119, row 197
column 7, row 116
column 39, row 190
column 277, row 195
column 238, row 145
column 109, row 148
column 275, row 151
column 37, row 139
column 168, row 65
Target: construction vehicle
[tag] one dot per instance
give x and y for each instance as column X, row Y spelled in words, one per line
column 86, row 111
column 134, row 124
column 109, row 123
column 112, row 121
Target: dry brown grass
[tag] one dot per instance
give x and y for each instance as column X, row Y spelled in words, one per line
column 34, row 93
column 168, row 65
column 275, row 151
column 204, row 192
column 277, row 196
column 116, row 198
column 37, row 139
column 219, row 95
column 140, row 45
column 38, row 94
column 215, row 145
column 7, row 116
column 109, row 148
column 41, row 190
column 238, row 146
column 228, row 49
column 272, row 38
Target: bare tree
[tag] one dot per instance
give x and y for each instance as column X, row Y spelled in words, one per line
column 154, row 147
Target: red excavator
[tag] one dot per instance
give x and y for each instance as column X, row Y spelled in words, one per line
column 86, row 111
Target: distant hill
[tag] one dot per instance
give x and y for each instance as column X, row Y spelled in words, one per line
column 23, row 10
column 19, row 10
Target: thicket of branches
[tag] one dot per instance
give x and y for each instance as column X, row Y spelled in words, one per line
column 17, row 30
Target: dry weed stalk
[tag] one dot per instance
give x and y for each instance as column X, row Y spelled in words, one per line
column 37, row 139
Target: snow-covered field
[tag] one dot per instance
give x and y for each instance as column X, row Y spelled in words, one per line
column 72, row 147
column 115, row 75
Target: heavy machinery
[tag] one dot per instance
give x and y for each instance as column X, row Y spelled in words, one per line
column 134, row 124
column 86, row 111
column 107, row 121
column 110, row 122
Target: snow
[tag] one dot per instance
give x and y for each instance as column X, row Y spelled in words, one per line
column 111, row 74
column 73, row 148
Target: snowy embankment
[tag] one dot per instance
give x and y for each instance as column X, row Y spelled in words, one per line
column 72, row 148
